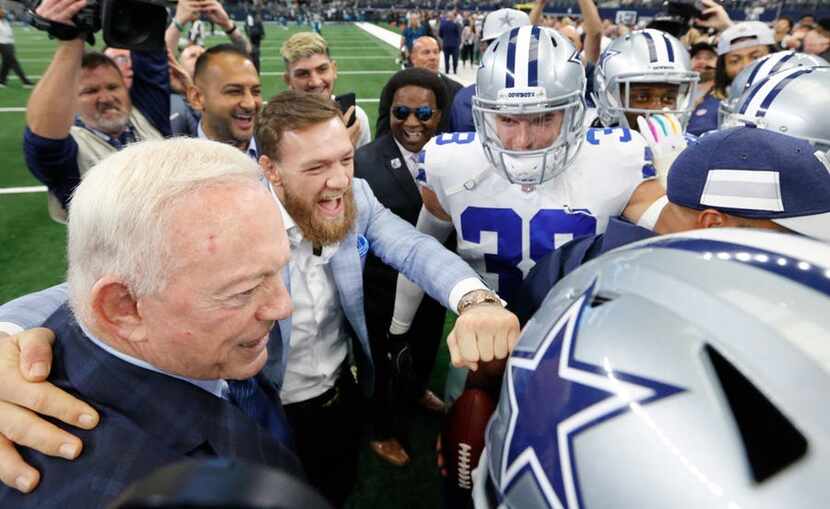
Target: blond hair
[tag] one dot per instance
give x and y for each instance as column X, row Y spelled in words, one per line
column 303, row 45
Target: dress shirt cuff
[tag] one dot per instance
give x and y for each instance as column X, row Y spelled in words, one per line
column 10, row 328
column 462, row 288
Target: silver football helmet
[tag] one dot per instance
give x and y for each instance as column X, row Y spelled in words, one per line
column 760, row 69
column 644, row 56
column 529, row 104
column 793, row 102
column 683, row 371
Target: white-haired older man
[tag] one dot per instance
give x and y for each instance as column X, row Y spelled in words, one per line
column 174, row 284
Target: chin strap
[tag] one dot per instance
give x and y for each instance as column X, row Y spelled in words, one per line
column 58, row 30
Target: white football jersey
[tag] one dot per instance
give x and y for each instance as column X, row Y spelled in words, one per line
column 504, row 229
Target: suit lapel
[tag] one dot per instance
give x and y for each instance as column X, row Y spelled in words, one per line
column 348, row 277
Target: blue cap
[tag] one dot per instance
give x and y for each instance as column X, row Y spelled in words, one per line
column 756, row 174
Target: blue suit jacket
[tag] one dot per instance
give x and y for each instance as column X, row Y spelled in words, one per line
column 397, row 243
column 147, row 420
column 461, row 114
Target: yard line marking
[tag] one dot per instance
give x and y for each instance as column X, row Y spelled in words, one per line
column 23, row 190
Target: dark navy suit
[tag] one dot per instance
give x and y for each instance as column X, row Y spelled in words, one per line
column 147, row 420
column 559, row 263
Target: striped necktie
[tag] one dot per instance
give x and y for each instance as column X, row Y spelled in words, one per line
column 249, row 397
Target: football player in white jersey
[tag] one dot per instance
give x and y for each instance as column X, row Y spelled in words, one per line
column 531, row 177
column 642, row 73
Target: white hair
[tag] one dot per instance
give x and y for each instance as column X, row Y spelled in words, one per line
column 120, row 214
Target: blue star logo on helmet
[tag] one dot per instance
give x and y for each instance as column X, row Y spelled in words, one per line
column 577, row 395
column 506, row 20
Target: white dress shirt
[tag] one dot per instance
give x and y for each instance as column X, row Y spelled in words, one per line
column 319, row 340
column 6, row 33
column 410, row 158
column 252, row 150
column 218, row 387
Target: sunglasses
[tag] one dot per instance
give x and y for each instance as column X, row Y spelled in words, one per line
column 422, row 113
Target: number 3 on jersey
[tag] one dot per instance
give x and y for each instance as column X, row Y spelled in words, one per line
column 543, row 228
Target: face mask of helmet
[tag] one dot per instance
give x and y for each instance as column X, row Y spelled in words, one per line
column 647, row 62
column 635, row 95
column 531, row 148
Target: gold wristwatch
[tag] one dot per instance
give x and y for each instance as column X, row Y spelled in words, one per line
column 478, row 297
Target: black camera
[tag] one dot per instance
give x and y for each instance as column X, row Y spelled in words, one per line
column 128, row 24
column 688, row 9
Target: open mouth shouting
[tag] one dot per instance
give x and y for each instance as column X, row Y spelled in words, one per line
column 331, row 206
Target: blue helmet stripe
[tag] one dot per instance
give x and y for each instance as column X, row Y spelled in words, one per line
column 762, row 110
column 752, row 76
column 748, row 100
column 652, row 48
column 669, row 49
column 533, row 64
column 511, row 59
column 781, row 62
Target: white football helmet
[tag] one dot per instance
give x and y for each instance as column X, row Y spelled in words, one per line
column 644, row 56
column 792, row 102
column 529, row 104
column 760, row 69
column 683, row 371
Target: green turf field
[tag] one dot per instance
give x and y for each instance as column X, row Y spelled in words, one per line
column 33, row 256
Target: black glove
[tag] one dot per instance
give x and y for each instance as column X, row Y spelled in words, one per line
column 403, row 383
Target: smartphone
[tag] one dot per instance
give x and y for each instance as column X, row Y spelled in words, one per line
column 345, row 102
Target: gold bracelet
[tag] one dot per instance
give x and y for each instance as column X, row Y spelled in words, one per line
column 478, row 297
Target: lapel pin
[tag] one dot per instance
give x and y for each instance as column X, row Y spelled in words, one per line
column 396, row 163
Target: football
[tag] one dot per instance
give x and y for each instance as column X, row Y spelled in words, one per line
column 463, row 434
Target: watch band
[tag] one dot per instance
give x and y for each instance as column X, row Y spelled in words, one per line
column 179, row 26
column 478, row 297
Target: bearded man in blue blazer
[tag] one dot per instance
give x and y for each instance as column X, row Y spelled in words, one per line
column 320, row 358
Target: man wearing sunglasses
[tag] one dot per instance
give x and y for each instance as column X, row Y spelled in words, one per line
column 425, row 55
column 390, row 164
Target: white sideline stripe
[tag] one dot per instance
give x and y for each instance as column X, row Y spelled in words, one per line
column 387, row 36
column 23, row 190
column 465, row 77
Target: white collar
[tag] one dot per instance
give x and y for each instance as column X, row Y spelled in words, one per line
column 218, row 387
column 251, row 150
